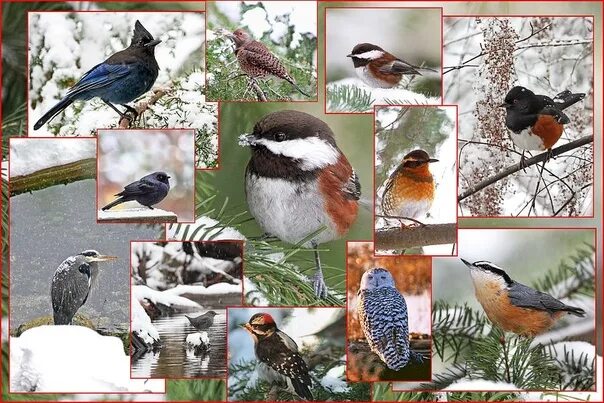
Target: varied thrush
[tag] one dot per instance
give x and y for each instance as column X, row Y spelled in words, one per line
column 409, row 191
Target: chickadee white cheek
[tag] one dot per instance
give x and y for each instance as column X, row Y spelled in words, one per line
column 310, row 153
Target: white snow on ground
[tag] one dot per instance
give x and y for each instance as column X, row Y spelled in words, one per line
column 210, row 228
column 198, row 339
column 335, row 380
column 141, row 212
column 31, row 155
column 141, row 397
column 252, row 295
column 382, row 96
column 72, row 359
column 141, row 324
column 141, row 292
column 214, row 289
column 4, row 329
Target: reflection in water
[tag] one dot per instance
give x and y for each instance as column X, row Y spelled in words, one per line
column 174, row 360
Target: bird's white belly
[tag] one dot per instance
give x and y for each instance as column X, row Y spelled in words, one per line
column 413, row 208
column 526, row 140
column 364, row 74
column 289, row 212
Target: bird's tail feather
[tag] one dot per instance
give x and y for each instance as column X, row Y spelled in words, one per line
column 566, row 98
column 575, row 311
column 113, row 204
column 301, row 389
column 293, row 83
column 55, row 110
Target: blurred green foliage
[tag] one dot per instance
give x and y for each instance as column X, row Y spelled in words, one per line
column 208, row 390
column 225, row 79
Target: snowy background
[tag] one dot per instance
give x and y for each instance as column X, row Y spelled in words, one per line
column 125, row 158
column 63, row 46
column 412, row 35
column 287, row 28
column 435, row 132
column 547, row 55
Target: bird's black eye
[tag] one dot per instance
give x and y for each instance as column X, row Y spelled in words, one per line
column 383, row 277
column 515, row 101
column 280, row 136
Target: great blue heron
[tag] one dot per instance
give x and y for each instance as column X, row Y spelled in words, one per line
column 71, row 284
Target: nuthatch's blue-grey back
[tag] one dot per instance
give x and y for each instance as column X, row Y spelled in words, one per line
column 512, row 306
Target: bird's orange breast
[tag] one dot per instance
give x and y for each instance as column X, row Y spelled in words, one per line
column 548, row 128
column 415, row 186
column 523, row 321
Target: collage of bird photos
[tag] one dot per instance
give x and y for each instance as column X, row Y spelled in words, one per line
column 302, row 201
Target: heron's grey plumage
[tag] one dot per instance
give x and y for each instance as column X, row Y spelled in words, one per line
column 71, row 284
column 382, row 312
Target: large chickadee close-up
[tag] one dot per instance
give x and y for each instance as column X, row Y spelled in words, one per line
column 380, row 69
column 298, row 182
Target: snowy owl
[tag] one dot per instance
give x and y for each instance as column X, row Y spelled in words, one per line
column 383, row 315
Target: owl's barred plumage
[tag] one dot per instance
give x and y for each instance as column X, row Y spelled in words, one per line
column 382, row 313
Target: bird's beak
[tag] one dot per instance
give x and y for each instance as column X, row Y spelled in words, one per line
column 247, row 140
column 153, row 43
column 432, row 160
column 504, row 105
column 350, row 55
column 470, row 265
column 245, row 326
column 103, row 258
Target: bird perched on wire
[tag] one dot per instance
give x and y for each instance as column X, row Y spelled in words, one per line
column 380, row 69
column 536, row 122
column 409, row 191
column 203, row 321
column 257, row 61
column 512, row 306
column 382, row 313
column 279, row 361
column 71, row 284
column 298, row 182
column 149, row 190
column 120, row 79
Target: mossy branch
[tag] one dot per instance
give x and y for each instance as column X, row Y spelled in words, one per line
column 56, row 175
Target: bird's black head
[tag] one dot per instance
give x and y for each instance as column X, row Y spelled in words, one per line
column 490, row 269
column 417, row 158
column 364, row 53
column 162, row 177
column 517, row 98
column 142, row 38
column 92, row 255
column 295, row 139
column 211, row 313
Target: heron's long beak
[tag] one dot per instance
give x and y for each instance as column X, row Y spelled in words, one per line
column 247, row 140
column 103, row 258
column 154, row 42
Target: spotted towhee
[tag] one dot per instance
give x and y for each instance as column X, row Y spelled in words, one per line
column 536, row 122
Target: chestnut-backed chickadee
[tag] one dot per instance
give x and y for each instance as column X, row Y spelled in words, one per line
column 378, row 68
column 299, row 183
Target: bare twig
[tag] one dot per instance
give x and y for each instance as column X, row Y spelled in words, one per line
column 144, row 105
column 531, row 161
column 411, row 237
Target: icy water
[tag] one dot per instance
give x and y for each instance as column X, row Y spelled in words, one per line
column 49, row 225
column 174, row 360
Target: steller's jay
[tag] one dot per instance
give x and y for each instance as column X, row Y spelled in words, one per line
column 122, row 78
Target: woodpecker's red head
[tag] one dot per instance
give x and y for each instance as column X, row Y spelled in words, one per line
column 260, row 325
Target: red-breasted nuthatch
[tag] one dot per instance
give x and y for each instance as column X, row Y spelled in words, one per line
column 512, row 306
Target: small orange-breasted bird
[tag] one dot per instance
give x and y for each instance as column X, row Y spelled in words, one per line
column 409, row 191
column 514, row 307
column 536, row 122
